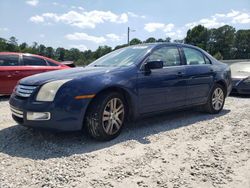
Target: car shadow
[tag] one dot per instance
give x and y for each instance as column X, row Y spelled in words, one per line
column 4, row 98
column 18, row 141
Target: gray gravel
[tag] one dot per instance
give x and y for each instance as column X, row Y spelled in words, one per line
column 184, row 149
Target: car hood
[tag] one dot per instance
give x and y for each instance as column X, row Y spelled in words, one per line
column 240, row 70
column 74, row 73
column 240, row 74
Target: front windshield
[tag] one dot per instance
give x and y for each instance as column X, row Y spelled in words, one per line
column 122, row 57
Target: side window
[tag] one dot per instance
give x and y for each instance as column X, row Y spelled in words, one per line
column 169, row 55
column 194, row 57
column 207, row 60
column 9, row 60
column 33, row 61
column 51, row 63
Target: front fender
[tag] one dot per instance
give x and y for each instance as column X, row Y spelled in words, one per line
column 93, row 85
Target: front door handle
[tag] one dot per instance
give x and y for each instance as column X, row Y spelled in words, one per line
column 16, row 72
column 180, row 74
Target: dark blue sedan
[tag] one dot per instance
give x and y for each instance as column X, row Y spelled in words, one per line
column 125, row 84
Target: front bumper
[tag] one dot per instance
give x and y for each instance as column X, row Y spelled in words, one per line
column 67, row 115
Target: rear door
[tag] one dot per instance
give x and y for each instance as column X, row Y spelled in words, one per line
column 9, row 72
column 163, row 88
column 200, row 74
column 33, row 65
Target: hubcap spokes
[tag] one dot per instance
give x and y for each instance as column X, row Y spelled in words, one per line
column 113, row 116
column 218, row 99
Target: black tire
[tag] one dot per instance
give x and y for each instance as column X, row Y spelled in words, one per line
column 97, row 128
column 210, row 107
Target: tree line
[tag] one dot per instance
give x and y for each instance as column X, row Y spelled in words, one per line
column 223, row 43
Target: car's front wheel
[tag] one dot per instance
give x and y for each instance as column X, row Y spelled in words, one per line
column 216, row 100
column 105, row 117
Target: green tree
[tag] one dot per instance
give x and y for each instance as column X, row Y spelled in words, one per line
column 135, row 41
column 42, row 49
column 218, row 56
column 3, row 44
column 88, row 57
column 242, row 44
column 160, row 40
column 222, row 40
column 35, row 45
column 198, row 36
column 49, row 52
column 12, row 45
column 150, row 40
column 168, row 39
column 23, row 46
column 120, row 46
column 72, row 55
column 60, row 53
column 13, row 40
column 101, row 51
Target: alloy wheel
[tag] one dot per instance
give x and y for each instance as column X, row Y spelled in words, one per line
column 218, row 98
column 113, row 116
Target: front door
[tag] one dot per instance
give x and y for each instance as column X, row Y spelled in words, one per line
column 9, row 72
column 163, row 88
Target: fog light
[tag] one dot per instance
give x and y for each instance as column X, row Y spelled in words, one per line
column 38, row 116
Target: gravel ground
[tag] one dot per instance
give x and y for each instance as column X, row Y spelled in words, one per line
column 184, row 149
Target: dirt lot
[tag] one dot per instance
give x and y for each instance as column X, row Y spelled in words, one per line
column 184, row 149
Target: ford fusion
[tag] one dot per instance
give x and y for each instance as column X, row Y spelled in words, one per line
column 123, row 85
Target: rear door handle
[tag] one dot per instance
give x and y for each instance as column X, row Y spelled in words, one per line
column 180, row 74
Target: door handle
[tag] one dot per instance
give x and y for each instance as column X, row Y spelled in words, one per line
column 211, row 70
column 16, row 72
column 180, row 74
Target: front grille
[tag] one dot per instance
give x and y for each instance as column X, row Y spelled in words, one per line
column 247, row 82
column 246, row 90
column 16, row 112
column 24, row 91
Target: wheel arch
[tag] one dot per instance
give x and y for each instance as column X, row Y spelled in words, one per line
column 127, row 97
column 223, row 84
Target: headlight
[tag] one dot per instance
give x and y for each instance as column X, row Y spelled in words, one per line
column 48, row 91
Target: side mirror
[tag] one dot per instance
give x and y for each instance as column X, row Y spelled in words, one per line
column 153, row 65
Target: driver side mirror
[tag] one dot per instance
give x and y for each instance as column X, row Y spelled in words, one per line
column 153, row 65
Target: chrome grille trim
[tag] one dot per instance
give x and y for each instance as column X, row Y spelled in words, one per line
column 28, row 87
column 24, row 90
column 16, row 112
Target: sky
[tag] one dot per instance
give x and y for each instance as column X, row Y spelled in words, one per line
column 87, row 24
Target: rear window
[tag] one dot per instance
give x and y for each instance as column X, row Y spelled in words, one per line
column 51, row 63
column 33, row 61
column 9, row 60
column 194, row 57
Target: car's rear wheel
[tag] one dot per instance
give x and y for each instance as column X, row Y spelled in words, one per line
column 106, row 115
column 216, row 100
